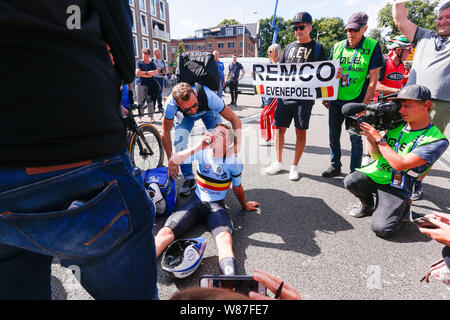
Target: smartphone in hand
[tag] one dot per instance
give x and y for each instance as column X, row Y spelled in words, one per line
column 242, row 284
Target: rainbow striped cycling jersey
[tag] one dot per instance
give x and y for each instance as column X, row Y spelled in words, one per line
column 215, row 175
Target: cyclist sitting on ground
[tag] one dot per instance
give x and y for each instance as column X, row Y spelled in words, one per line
column 188, row 104
column 218, row 168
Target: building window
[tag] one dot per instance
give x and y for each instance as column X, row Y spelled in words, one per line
column 162, row 12
column 134, row 20
column 145, row 43
column 131, row 3
column 188, row 47
column 134, row 46
column 201, row 47
column 209, row 45
column 153, row 7
column 230, row 45
column 164, row 51
column 239, row 30
column 142, row 5
column 155, row 45
column 144, row 28
column 220, row 45
column 240, row 44
column 229, row 31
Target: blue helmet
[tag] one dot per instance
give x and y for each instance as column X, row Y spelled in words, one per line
column 183, row 256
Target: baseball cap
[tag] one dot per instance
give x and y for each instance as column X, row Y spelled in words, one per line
column 357, row 21
column 414, row 92
column 302, row 17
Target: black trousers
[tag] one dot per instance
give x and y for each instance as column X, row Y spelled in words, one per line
column 234, row 91
column 391, row 205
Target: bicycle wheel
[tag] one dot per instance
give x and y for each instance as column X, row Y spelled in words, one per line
column 146, row 150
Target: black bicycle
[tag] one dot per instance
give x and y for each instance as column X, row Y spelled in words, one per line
column 146, row 149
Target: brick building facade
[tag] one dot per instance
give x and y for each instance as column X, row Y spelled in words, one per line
column 151, row 26
column 228, row 40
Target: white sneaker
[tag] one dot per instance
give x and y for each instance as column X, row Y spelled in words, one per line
column 274, row 168
column 293, row 173
column 263, row 142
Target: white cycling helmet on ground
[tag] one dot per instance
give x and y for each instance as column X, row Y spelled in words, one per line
column 183, row 256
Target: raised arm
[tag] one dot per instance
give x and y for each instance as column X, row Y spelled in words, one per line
column 400, row 16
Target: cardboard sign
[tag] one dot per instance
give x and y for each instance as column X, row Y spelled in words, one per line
column 302, row 81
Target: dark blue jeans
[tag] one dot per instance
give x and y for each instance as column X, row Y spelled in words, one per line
column 335, row 121
column 109, row 238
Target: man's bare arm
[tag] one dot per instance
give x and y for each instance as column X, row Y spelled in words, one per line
column 400, row 16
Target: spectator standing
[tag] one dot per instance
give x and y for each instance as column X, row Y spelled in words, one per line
column 360, row 59
column 431, row 65
column 146, row 87
column 270, row 105
column 162, row 67
column 221, row 68
column 80, row 198
column 304, row 49
column 236, row 72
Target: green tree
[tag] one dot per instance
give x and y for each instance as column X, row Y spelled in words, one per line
column 330, row 30
column 377, row 35
column 420, row 12
column 334, row 28
column 230, row 22
column 285, row 34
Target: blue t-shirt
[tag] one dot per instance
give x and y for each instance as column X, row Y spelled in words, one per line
column 221, row 68
column 215, row 176
column 214, row 103
column 144, row 67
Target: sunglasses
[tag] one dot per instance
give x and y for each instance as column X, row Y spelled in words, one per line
column 353, row 30
column 299, row 28
column 187, row 110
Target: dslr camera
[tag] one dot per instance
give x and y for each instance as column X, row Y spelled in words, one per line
column 382, row 115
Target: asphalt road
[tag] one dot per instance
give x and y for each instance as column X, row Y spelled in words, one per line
column 302, row 232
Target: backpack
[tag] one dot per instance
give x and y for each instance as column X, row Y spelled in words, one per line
column 198, row 67
column 161, row 189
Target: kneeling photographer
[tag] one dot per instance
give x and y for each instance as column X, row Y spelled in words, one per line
column 406, row 152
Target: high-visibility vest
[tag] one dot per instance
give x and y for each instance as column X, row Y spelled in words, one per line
column 359, row 68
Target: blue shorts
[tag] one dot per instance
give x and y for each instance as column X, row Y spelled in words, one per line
column 299, row 110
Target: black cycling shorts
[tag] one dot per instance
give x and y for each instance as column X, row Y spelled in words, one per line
column 213, row 213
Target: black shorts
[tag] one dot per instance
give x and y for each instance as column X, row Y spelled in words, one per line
column 213, row 213
column 299, row 110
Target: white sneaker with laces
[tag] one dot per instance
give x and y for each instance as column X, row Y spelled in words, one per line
column 274, row 168
column 293, row 173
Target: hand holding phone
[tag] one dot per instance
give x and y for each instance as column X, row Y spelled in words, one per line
column 241, row 284
column 281, row 289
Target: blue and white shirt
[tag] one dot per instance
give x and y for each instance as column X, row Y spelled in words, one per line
column 215, row 175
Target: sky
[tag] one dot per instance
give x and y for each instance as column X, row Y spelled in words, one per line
column 186, row 16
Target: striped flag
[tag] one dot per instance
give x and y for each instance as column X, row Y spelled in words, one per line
column 259, row 89
column 325, row 92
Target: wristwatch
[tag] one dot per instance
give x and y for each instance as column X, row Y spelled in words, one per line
column 381, row 141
